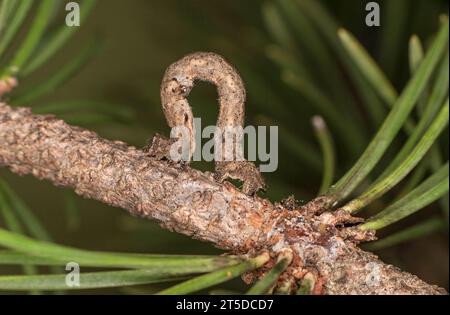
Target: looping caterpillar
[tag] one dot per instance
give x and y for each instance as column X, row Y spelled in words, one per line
column 177, row 83
column 179, row 79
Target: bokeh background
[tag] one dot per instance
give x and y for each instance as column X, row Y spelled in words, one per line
column 287, row 64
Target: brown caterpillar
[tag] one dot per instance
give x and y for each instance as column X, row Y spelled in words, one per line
column 178, row 81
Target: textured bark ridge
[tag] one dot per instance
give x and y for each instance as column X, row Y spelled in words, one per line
column 191, row 202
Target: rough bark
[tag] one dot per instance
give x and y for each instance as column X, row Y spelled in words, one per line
column 191, row 202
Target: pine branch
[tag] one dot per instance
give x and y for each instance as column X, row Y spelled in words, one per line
column 191, row 202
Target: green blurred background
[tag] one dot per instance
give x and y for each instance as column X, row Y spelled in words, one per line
column 140, row 38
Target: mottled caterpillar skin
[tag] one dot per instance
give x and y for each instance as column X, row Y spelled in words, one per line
column 179, row 80
column 177, row 83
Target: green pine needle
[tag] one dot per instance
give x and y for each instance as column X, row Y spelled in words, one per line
column 326, row 144
column 34, row 226
column 57, row 40
column 415, row 156
column 32, row 40
column 217, row 277
column 264, row 285
column 64, row 254
column 14, row 225
column 346, row 129
column 414, row 232
column 88, row 280
column 328, row 28
column 82, row 112
column 59, row 77
column 429, row 191
column 368, row 66
column 13, row 26
column 416, row 53
column 6, row 7
column 440, row 91
column 393, row 122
